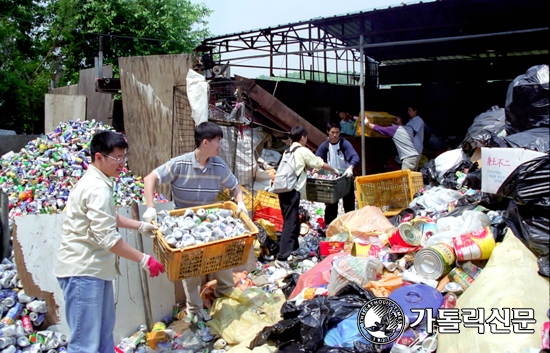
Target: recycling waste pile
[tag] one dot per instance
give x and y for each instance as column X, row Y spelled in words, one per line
column 463, row 267
column 38, row 178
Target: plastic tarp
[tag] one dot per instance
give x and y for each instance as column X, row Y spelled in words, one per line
column 239, row 317
column 537, row 139
column 197, row 93
column 509, row 280
column 484, row 130
column 529, row 183
column 527, row 101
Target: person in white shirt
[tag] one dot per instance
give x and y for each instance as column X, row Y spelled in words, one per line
column 418, row 126
column 87, row 257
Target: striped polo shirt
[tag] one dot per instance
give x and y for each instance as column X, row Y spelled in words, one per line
column 193, row 185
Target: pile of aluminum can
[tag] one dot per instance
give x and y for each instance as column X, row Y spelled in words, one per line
column 22, row 315
column 38, row 179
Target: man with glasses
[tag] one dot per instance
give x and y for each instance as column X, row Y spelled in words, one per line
column 87, row 257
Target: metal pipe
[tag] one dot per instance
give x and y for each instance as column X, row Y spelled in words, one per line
column 362, row 105
column 399, row 43
column 142, row 275
column 100, row 58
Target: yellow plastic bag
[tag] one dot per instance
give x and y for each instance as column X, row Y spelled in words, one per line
column 269, row 228
column 241, row 316
column 509, row 280
column 367, row 225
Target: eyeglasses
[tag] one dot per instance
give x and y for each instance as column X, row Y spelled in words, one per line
column 118, row 160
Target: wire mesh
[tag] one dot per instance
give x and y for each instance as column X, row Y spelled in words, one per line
column 183, row 125
column 230, row 108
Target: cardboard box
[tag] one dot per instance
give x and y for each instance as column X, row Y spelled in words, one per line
column 498, row 163
column 331, row 247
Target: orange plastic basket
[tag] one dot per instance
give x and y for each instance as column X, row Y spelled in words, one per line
column 247, row 198
column 376, row 118
column 394, row 190
column 206, row 258
column 268, row 199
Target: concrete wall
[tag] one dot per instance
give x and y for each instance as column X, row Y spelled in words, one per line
column 36, row 240
column 14, row 142
column 60, row 108
column 71, row 90
column 147, row 97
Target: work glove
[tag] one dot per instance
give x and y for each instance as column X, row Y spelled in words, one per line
column 241, row 208
column 150, row 214
column 348, row 173
column 147, row 229
column 151, row 266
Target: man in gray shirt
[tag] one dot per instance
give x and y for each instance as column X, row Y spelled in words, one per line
column 402, row 136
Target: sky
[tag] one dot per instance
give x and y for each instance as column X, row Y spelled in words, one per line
column 233, row 16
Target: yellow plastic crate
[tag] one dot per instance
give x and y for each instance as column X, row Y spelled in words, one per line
column 376, row 118
column 394, row 190
column 268, row 199
column 247, row 198
column 206, row 258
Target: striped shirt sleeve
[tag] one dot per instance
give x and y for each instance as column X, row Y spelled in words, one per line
column 168, row 171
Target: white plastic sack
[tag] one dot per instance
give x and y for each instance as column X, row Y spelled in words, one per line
column 509, row 280
column 436, row 197
column 468, row 222
column 271, row 157
column 448, row 160
column 351, row 269
column 197, row 93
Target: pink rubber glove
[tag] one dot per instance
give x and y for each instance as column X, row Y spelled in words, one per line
column 151, row 266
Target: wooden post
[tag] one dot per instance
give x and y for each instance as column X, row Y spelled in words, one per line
column 4, row 214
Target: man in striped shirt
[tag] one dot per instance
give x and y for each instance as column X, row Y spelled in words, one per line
column 195, row 179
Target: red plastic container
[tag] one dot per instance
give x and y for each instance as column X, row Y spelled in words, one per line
column 270, row 214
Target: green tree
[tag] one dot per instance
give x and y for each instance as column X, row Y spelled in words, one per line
column 22, row 82
column 43, row 40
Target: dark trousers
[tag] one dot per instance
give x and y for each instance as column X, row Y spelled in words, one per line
column 331, row 210
column 290, row 206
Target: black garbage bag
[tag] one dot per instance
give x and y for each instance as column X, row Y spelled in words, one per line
column 398, row 218
column 484, row 130
column 290, row 282
column 450, row 179
column 429, row 173
column 529, row 183
column 498, row 228
column 304, row 326
column 302, row 329
column 473, row 180
column 537, row 139
column 532, row 226
column 527, row 101
column 266, row 242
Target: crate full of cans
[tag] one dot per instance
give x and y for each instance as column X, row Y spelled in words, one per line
column 198, row 240
column 323, row 187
